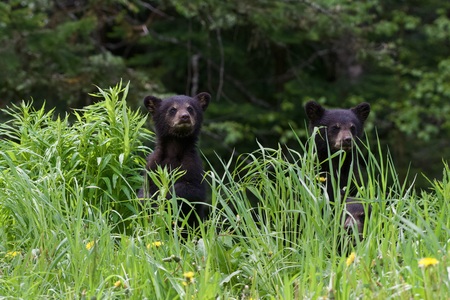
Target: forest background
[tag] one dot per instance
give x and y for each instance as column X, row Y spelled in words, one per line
column 261, row 60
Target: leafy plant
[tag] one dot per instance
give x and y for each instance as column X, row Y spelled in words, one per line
column 53, row 163
column 71, row 226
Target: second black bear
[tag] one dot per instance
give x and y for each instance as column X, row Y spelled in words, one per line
column 339, row 129
column 177, row 121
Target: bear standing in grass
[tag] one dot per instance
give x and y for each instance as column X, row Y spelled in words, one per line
column 178, row 121
column 339, row 129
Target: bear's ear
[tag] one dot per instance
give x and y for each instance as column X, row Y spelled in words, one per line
column 314, row 111
column 362, row 111
column 203, row 99
column 152, row 103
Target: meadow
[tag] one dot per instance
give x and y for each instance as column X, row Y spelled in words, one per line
column 71, row 226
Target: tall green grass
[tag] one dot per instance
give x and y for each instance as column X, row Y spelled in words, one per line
column 71, row 226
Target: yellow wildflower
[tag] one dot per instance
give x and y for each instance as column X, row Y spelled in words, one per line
column 428, row 261
column 90, row 245
column 189, row 278
column 156, row 244
column 321, row 179
column 350, row 259
column 11, row 254
column 119, row 283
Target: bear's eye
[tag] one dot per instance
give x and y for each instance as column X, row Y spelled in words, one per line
column 361, row 217
column 335, row 127
column 352, row 128
column 172, row 111
column 190, row 109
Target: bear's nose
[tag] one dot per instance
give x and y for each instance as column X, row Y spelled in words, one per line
column 348, row 140
column 184, row 117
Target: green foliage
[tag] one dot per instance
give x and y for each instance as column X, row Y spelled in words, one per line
column 52, row 164
column 67, row 190
column 49, row 52
column 252, row 56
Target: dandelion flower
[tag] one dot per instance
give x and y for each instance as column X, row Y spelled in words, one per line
column 428, row 261
column 322, row 179
column 156, row 244
column 119, row 284
column 189, row 278
column 90, row 245
column 350, row 259
column 11, row 254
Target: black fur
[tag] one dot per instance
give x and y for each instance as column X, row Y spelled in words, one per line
column 177, row 121
column 340, row 129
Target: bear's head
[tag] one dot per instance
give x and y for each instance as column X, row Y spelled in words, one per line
column 338, row 127
column 354, row 216
column 177, row 116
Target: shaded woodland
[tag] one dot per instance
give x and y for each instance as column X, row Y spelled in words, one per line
column 260, row 60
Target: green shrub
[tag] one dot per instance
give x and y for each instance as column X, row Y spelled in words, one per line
column 50, row 164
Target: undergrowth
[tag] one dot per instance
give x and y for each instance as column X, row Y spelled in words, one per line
column 71, row 225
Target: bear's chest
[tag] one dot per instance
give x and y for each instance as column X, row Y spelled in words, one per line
column 184, row 160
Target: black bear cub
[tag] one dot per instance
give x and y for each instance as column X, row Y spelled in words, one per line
column 339, row 129
column 177, row 121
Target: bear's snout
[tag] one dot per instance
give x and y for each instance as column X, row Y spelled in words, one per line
column 344, row 140
column 354, row 222
column 184, row 118
column 355, row 216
